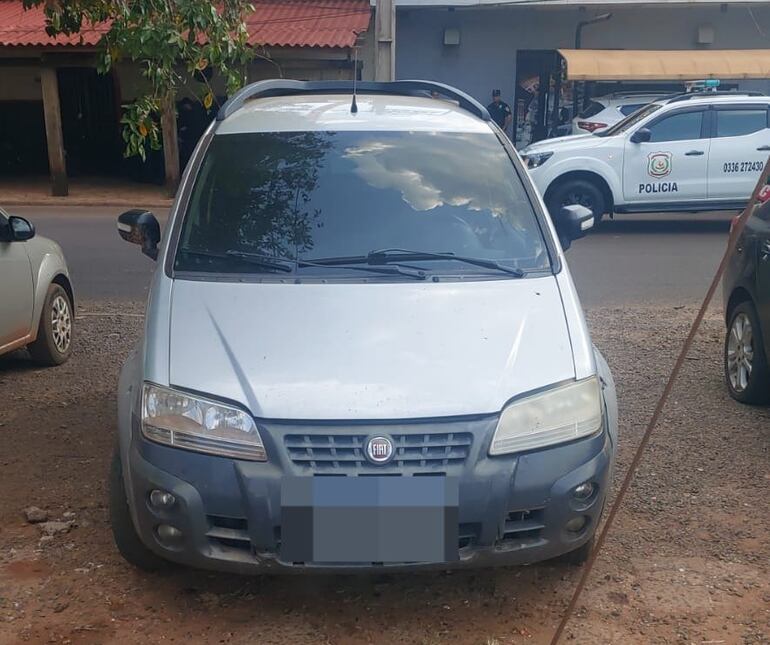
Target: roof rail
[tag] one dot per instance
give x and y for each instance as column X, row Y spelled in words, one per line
column 287, row 87
column 686, row 96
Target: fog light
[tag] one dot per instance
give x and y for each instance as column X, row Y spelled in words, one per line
column 168, row 534
column 584, row 491
column 576, row 524
column 161, row 499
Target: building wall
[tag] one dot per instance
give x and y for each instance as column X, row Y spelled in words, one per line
column 490, row 38
column 20, row 84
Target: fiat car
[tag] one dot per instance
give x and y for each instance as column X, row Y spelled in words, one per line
column 363, row 349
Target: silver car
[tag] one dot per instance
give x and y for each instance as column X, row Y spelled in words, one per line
column 362, row 349
column 36, row 296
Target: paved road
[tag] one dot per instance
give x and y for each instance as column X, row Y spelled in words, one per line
column 642, row 258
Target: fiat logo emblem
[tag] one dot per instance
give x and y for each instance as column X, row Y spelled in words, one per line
column 379, row 450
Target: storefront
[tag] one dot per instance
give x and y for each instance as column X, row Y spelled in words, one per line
column 528, row 51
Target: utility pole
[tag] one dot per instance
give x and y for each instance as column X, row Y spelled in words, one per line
column 385, row 40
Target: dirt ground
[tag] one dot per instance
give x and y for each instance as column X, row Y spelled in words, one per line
column 688, row 560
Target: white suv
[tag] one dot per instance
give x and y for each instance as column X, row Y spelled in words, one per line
column 604, row 111
column 688, row 153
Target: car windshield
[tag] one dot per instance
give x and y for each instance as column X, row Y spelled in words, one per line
column 631, row 120
column 305, row 202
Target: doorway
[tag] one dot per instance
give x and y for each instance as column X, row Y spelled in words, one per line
column 90, row 122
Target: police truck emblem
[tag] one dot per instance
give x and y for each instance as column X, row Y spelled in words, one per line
column 379, row 450
column 659, row 164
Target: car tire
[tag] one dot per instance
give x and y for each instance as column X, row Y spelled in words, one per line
column 53, row 344
column 124, row 533
column 745, row 363
column 577, row 191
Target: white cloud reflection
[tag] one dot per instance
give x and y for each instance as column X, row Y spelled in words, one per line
column 437, row 169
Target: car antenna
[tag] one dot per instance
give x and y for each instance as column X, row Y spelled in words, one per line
column 354, row 105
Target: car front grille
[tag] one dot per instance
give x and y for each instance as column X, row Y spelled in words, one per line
column 345, row 452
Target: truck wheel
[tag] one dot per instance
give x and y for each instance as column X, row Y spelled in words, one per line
column 126, row 539
column 54, row 332
column 746, row 371
column 577, row 191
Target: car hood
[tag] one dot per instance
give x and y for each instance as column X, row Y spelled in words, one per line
column 368, row 350
column 569, row 142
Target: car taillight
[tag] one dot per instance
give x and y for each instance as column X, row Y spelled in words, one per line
column 591, row 126
column 764, row 194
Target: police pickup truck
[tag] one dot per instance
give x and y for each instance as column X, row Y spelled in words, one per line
column 690, row 152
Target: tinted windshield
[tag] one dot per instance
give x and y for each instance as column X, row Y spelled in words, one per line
column 630, row 121
column 318, row 195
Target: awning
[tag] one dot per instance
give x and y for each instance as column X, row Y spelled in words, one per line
column 273, row 23
column 681, row 65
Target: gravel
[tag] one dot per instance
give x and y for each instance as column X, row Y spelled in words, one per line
column 687, row 561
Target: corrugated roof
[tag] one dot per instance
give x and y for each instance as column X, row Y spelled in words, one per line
column 274, row 23
column 19, row 27
column 308, row 23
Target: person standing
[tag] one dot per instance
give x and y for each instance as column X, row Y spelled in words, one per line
column 500, row 112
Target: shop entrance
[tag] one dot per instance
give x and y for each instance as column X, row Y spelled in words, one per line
column 543, row 100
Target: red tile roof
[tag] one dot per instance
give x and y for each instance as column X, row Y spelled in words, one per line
column 308, row 23
column 274, row 23
column 19, row 27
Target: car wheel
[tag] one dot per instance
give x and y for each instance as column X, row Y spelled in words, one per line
column 126, row 538
column 578, row 191
column 54, row 333
column 746, row 370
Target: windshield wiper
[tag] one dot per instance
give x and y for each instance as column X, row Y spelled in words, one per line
column 287, row 264
column 277, row 264
column 386, row 256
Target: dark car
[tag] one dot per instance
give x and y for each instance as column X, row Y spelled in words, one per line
column 746, row 286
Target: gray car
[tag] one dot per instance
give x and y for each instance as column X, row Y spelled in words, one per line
column 36, row 296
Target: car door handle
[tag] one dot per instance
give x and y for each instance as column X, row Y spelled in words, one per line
column 764, row 148
column 693, row 153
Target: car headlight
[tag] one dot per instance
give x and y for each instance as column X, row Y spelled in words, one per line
column 561, row 414
column 182, row 420
column 535, row 159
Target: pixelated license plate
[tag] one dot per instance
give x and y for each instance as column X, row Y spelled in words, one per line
column 355, row 520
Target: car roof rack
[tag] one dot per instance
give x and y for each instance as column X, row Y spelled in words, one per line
column 288, row 87
column 686, row 96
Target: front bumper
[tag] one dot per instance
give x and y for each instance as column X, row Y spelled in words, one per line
column 512, row 509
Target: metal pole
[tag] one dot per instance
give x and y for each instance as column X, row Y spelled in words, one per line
column 578, row 41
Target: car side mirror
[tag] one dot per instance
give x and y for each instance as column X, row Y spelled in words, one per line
column 642, row 135
column 140, row 227
column 573, row 223
column 19, row 229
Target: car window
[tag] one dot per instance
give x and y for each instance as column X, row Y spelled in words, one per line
column 677, row 127
column 736, row 123
column 592, row 109
column 625, row 110
column 630, row 121
column 318, row 195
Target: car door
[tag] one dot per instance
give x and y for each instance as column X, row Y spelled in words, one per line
column 740, row 145
column 761, row 229
column 16, row 288
column 671, row 166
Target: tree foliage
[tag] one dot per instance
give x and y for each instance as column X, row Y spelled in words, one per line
column 172, row 40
